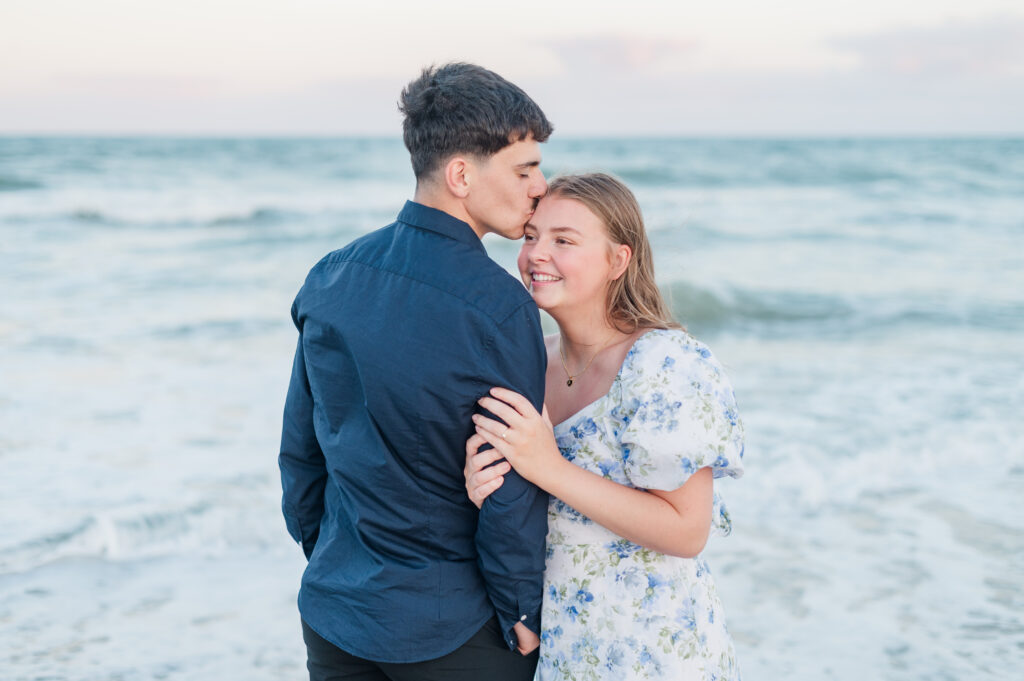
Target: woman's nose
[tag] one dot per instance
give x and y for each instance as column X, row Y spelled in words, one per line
column 539, row 252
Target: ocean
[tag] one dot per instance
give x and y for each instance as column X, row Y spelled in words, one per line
column 865, row 295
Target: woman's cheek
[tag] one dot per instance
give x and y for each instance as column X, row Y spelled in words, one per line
column 522, row 263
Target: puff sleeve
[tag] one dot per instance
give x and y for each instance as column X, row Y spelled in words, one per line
column 679, row 415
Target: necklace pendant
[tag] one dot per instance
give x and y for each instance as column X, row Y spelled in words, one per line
column 569, row 382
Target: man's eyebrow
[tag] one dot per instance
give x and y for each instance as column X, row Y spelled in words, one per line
column 528, row 164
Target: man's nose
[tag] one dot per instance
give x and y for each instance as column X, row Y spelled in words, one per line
column 540, row 187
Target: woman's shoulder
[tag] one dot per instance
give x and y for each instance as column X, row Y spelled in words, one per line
column 669, row 359
column 670, row 348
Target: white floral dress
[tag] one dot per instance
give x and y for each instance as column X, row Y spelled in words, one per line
column 613, row 609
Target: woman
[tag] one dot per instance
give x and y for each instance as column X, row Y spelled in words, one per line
column 646, row 419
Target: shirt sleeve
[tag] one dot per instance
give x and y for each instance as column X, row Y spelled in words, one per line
column 681, row 416
column 512, row 526
column 302, row 463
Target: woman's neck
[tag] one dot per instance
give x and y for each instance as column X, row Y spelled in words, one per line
column 584, row 335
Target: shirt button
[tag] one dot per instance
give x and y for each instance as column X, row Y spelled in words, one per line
column 523, row 618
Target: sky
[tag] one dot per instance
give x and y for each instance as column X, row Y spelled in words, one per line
column 646, row 67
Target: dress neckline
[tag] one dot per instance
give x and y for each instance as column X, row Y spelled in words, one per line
column 615, row 381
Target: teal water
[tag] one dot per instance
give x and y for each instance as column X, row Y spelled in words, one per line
column 866, row 296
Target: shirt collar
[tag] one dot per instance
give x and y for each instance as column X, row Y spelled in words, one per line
column 435, row 220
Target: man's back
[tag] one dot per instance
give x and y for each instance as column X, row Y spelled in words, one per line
column 400, row 333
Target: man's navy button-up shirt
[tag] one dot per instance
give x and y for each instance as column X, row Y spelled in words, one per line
column 400, row 333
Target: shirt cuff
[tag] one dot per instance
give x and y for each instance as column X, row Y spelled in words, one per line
column 509, row 620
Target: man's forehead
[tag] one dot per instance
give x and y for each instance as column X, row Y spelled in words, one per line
column 523, row 152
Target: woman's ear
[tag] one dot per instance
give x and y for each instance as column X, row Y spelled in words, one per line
column 621, row 255
column 457, row 175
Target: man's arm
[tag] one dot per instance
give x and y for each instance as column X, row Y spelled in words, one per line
column 303, row 469
column 512, row 526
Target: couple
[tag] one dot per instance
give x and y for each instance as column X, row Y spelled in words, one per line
column 421, row 374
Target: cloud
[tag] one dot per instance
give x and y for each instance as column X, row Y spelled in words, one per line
column 961, row 78
column 953, row 78
column 621, row 54
column 989, row 47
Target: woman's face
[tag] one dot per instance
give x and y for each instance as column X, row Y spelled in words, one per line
column 567, row 260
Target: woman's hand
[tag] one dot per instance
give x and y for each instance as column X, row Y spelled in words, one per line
column 674, row 522
column 480, row 480
column 527, row 442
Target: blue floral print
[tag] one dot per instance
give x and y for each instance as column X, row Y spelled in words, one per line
column 614, row 610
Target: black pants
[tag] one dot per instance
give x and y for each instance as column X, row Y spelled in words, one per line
column 485, row 657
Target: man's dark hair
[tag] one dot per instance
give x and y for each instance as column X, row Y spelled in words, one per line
column 465, row 109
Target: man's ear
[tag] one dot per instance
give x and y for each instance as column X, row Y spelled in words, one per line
column 621, row 255
column 457, row 175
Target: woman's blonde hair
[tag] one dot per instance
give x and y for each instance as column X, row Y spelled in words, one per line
column 634, row 300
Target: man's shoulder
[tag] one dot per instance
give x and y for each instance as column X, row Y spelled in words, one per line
column 470, row 275
column 457, row 270
column 359, row 248
column 499, row 292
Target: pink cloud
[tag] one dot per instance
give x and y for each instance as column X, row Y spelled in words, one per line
column 621, row 54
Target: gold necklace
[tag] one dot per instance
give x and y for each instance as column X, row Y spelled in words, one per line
column 561, row 356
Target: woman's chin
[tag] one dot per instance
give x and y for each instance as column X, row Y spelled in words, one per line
column 542, row 302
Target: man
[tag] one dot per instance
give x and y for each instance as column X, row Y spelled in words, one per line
column 400, row 333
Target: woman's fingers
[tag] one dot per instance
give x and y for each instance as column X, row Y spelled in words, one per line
column 483, row 482
column 482, row 479
column 487, row 475
column 485, row 425
column 492, row 433
column 473, row 444
column 503, row 411
column 478, row 494
column 521, row 405
column 482, row 459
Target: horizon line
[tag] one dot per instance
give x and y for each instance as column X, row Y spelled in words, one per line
column 284, row 135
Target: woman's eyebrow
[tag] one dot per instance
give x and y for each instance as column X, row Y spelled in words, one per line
column 555, row 229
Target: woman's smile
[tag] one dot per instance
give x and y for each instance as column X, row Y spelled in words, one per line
column 541, row 278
